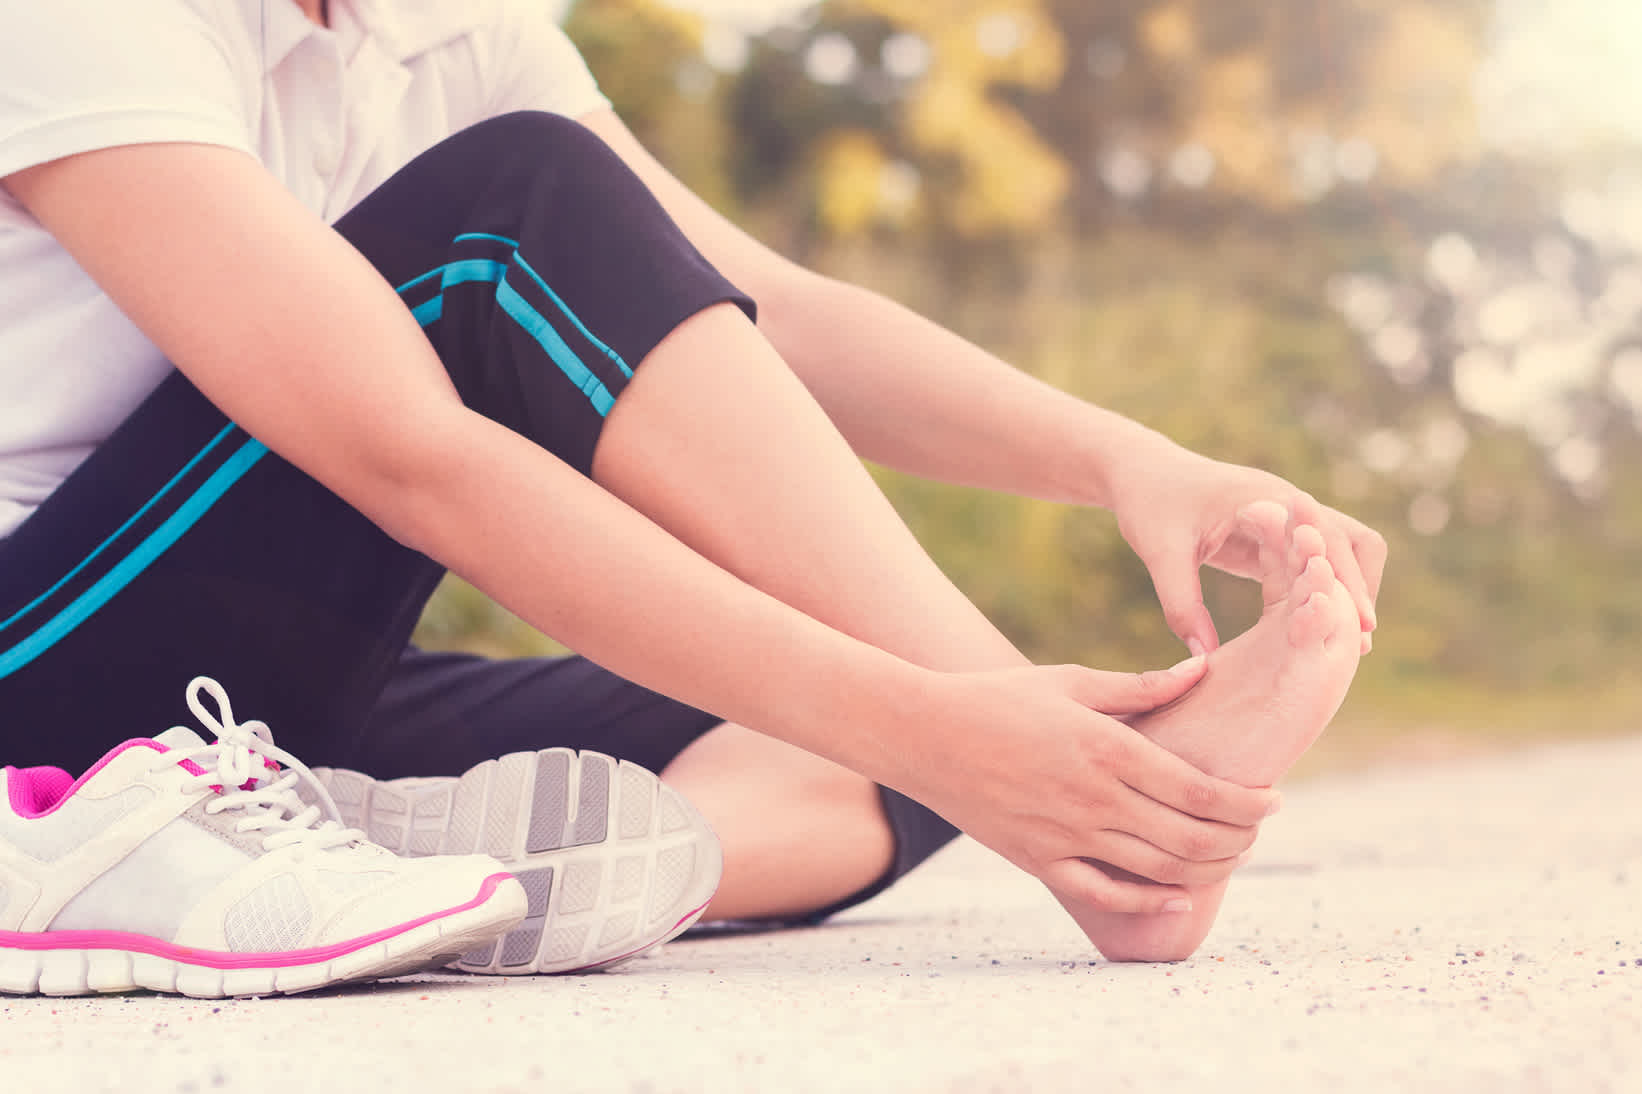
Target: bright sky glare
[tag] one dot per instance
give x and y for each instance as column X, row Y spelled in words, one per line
column 1563, row 72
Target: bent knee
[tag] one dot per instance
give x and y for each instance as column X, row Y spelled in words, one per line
column 531, row 142
column 533, row 129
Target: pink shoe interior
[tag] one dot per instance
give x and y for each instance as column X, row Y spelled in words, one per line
column 36, row 791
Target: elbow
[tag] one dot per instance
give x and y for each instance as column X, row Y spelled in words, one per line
column 407, row 482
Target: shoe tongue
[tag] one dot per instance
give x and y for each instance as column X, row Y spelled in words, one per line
column 180, row 738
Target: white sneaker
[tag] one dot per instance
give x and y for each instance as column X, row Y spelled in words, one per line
column 615, row 862
column 178, row 866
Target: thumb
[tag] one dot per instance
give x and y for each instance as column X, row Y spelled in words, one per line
column 1180, row 591
column 1132, row 692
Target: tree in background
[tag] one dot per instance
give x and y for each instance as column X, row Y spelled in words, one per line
column 1271, row 229
column 999, row 111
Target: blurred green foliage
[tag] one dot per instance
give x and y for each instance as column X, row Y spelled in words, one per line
column 1152, row 203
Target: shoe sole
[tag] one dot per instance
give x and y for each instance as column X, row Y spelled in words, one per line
column 429, row 945
column 613, row 861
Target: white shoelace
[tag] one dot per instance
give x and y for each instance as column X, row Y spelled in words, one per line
column 237, row 766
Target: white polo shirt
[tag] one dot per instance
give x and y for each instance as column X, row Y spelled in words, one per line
column 332, row 113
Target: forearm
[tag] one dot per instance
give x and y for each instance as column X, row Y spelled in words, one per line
column 579, row 564
column 313, row 353
column 918, row 398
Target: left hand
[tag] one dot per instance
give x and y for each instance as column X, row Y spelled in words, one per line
column 1181, row 511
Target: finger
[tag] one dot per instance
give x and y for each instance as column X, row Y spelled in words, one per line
column 1164, row 777
column 1341, row 553
column 1190, row 839
column 1348, row 570
column 1268, row 518
column 1371, row 553
column 1085, row 883
column 1180, row 591
column 1152, row 863
column 1131, row 692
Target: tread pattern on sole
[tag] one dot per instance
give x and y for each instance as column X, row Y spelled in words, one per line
column 613, row 861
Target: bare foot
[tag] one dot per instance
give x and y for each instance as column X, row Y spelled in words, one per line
column 1267, row 696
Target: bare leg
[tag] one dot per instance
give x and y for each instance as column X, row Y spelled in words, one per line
column 719, row 443
column 799, row 833
column 1268, row 695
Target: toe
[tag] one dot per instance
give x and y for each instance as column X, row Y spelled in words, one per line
column 1304, row 545
column 1317, row 593
column 1317, row 576
column 1323, row 612
column 1311, row 624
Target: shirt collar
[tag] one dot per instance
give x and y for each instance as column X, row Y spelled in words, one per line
column 279, row 27
column 403, row 29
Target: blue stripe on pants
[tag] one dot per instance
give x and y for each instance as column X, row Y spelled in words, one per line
column 521, row 311
column 126, row 570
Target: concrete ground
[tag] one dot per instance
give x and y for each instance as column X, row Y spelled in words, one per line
column 1469, row 927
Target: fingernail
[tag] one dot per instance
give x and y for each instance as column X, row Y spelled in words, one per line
column 1196, row 647
column 1179, row 904
column 1243, row 859
column 1188, row 666
column 1275, row 807
column 1368, row 643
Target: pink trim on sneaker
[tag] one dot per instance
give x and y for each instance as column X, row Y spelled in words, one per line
column 35, row 789
column 682, row 920
column 34, row 795
column 216, row 959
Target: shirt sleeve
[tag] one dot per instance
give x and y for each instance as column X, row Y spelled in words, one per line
column 82, row 75
column 536, row 67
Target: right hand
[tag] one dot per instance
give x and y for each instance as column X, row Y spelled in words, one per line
column 1033, row 765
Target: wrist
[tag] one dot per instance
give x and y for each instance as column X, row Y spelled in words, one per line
column 1111, row 452
column 852, row 703
column 892, row 724
column 929, row 733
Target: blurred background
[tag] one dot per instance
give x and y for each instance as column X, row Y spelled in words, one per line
column 1388, row 249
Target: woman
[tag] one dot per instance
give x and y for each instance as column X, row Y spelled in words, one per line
column 308, row 304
